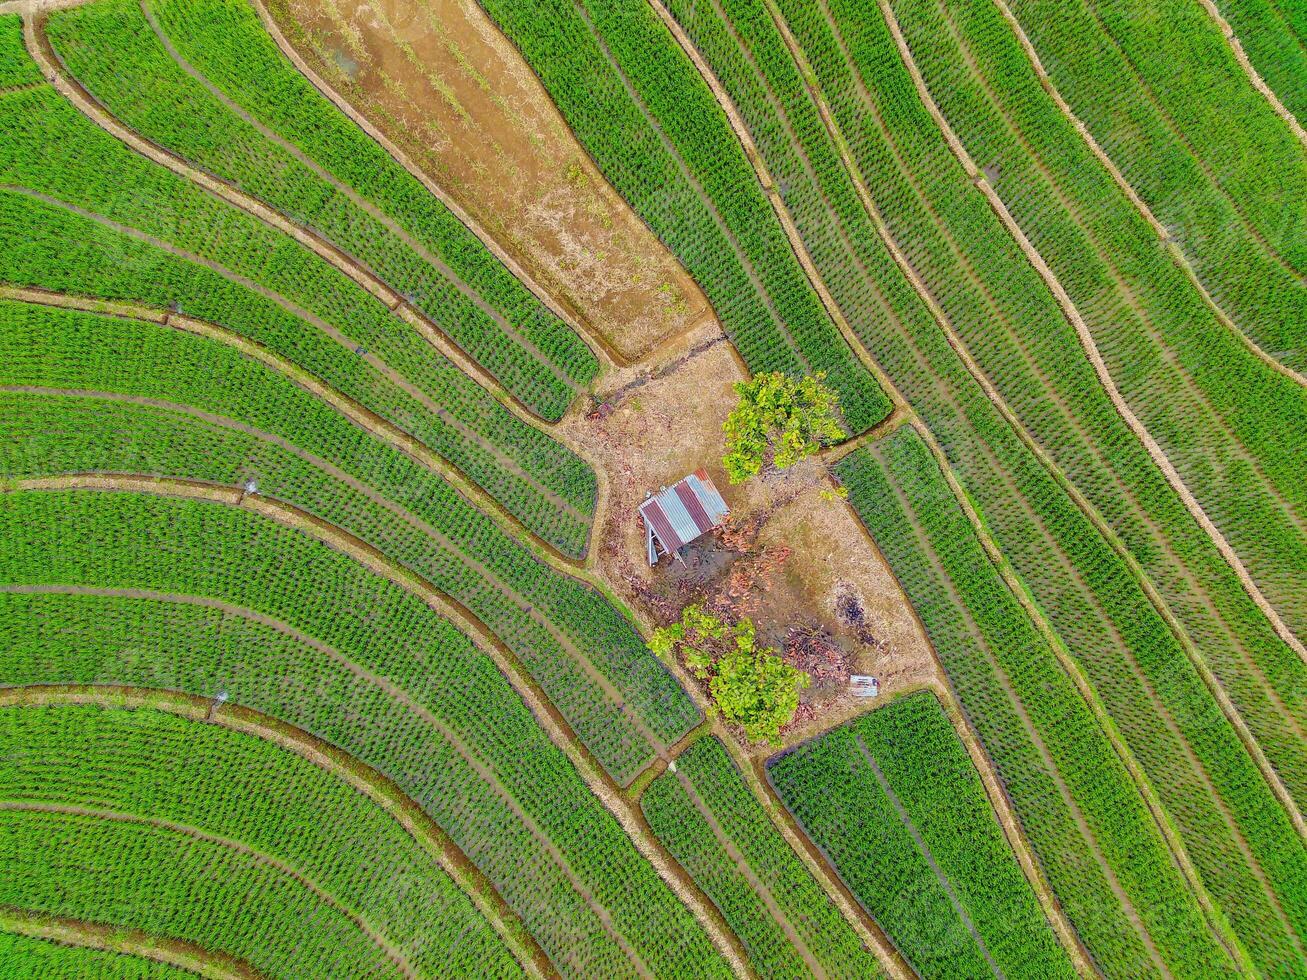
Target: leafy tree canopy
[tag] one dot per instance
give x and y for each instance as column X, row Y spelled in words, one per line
column 778, row 415
column 752, row 687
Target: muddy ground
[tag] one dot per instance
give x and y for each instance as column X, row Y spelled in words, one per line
column 440, row 81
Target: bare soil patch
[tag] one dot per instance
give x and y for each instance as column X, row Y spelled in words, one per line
column 442, row 83
column 791, row 556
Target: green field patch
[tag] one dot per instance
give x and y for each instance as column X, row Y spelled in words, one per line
column 221, row 599
column 213, row 415
column 30, row 956
column 1089, row 828
column 637, row 104
column 707, row 816
column 82, row 214
column 268, row 131
column 894, row 802
column 347, row 887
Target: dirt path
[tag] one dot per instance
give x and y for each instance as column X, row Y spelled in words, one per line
column 926, row 853
column 1090, row 696
column 545, row 713
column 1169, row 122
column 1086, row 337
column 1156, row 599
column 998, row 314
column 282, row 867
column 392, row 690
column 72, row 90
column 1258, row 83
column 172, row 952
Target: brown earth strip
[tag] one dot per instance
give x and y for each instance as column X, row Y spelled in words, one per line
column 1155, row 598
column 392, row 690
column 380, row 366
column 443, row 81
column 255, row 855
column 362, row 778
column 1088, row 693
column 132, row 942
column 959, row 346
column 1258, row 83
column 546, row 714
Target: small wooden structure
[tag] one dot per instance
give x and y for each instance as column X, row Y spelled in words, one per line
column 677, row 515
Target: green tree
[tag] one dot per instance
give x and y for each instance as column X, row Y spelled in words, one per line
column 753, row 688
column 781, row 418
column 759, row 691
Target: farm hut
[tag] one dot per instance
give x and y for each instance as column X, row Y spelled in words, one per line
column 677, row 515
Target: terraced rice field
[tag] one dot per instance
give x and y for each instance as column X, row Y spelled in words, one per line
column 322, row 653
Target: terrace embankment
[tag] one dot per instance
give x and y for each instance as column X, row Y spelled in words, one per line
column 443, row 84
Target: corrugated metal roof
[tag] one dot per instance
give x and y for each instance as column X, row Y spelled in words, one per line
column 682, row 512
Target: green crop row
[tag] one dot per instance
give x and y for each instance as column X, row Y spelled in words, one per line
column 1090, row 830
column 893, row 800
column 72, row 863
column 805, row 932
column 1274, row 36
column 1230, row 424
column 49, row 247
column 311, row 638
column 77, row 225
column 401, row 233
column 29, row 958
column 296, row 449
column 639, row 107
column 994, row 300
column 201, row 784
column 1171, row 721
column 1201, row 146
column 16, row 68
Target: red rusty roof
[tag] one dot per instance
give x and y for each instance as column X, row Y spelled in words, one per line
column 678, row 514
